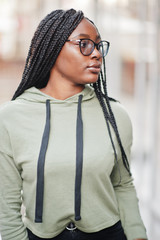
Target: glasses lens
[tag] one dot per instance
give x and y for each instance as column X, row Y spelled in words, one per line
column 103, row 48
column 86, row 46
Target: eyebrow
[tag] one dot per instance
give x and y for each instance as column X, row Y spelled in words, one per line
column 86, row 35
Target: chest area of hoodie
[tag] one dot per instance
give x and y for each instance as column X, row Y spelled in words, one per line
column 60, row 159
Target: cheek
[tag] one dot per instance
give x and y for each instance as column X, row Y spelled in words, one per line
column 73, row 64
column 73, row 60
column 78, row 64
column 70, row 68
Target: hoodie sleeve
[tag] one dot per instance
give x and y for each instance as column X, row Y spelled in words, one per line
column 11, row 224
column 125, row 191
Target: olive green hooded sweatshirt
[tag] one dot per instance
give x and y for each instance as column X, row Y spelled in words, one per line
column 56, row 158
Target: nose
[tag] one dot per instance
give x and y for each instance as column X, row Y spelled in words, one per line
column 96, row 53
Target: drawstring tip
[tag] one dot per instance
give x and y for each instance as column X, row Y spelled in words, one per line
column 38, row 220
column 77, row 218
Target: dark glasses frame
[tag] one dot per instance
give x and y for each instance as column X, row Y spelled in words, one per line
column 97, row 45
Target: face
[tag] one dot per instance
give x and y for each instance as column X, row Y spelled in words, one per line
column 71, row 65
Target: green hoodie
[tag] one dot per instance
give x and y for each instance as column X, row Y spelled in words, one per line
column 56, row 158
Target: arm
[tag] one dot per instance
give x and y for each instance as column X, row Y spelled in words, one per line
column 11, row 224
column 125, row 191
column 128, row 206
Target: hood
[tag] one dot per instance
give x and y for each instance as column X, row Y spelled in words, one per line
column 35, row 95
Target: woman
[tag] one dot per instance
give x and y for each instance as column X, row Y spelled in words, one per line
column 64, row 145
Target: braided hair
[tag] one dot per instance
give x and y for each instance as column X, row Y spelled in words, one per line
column 100, row 88
column 47, row 42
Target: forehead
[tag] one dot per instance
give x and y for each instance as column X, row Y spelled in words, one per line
column 85, row 28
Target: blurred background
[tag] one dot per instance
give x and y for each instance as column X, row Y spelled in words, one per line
column 133, row 72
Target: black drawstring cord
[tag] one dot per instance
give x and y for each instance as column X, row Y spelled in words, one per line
column 79, row 160
column 41, row 163
column 40, row 168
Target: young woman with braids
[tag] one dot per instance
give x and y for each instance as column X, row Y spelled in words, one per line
column 64, row 144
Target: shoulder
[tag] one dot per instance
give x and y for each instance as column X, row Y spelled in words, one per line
column 5, row 118
column 4, row 109
column 123, row 121
column 120, row 113
column 7, row 108
column 9, row 112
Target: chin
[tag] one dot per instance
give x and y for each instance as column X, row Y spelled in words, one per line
column 89, row 79
column 93, row 80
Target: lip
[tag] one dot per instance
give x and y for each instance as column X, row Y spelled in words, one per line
column 95, row 67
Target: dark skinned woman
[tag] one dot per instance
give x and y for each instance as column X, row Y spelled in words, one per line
column 64, row 144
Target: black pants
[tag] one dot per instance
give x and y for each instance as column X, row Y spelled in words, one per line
column 112, row 233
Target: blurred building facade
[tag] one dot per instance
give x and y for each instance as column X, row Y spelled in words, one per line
column 133, row 66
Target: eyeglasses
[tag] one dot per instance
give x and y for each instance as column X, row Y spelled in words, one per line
column 87, row 46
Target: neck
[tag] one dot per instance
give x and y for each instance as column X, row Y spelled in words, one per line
column 61, row 89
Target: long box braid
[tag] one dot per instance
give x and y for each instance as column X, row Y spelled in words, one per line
column 100, row 88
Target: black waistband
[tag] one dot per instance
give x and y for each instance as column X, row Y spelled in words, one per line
column 114, row 227
column 114, row 230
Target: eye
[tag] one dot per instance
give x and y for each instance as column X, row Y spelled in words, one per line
column 84, row 43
